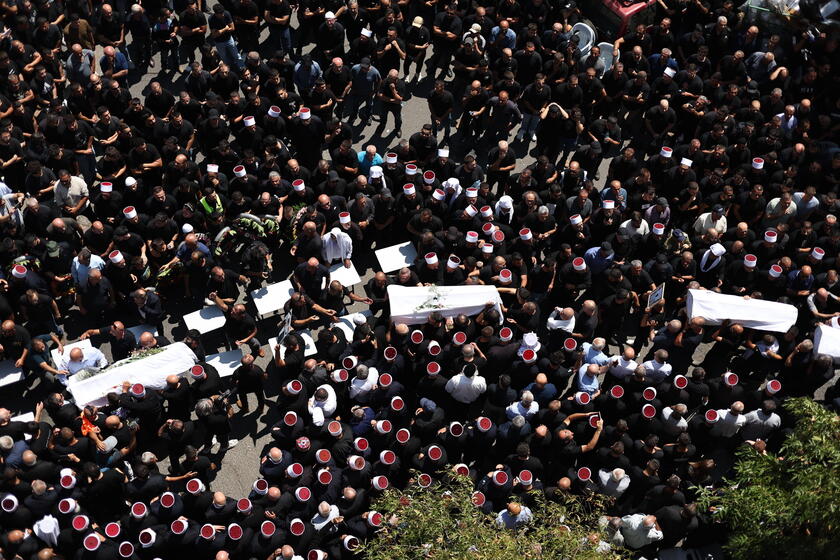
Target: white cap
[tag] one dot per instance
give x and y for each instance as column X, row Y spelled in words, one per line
column 304, row 113
column 505, row 276
column 609, row 204
column 431, row 258
column 429, row 177
column 239, row 171
column 775, row 271
column 687, row 162
column 472, row 237
column 299, row 185
column 453, row 261
column 329, row 15
column 770, row 236
column 249, row 121
column 187, row 228
column 717, row 249
column 274, row 111
column 471, row 210
column 486, row 212
column 116, row 257
column 438, row 194
column 344, row 218
column 818, row 253
column 506, row 202
column 375, row 172
column 658, row 229
column 670, row 72
column 666, row 152
column 579, row 264
column 19, row 271
column 750, row 261
column 390, row 157
column 212, row 168
column 758, row 163
column 106, row 187
column 130, row 212
column 443, row 152
column 575, row 219
column 366, row 32
column 525, row 234
column 471, row 192
column 131, row 181
column 411, row 169
column 487, row 248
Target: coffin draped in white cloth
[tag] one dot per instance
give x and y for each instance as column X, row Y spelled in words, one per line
column 151, row 371
column 413, row 305
column 827, row 341
column 751, row 313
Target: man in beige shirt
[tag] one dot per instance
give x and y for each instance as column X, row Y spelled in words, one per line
column 71, row 193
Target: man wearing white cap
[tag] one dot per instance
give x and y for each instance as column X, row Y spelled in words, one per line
column 337, row 246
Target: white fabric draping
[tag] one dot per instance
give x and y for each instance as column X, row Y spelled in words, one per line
column 151, row 371
column 413, row 305
column 751, row 313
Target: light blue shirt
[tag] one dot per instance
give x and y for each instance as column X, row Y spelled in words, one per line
column 509, row 42
column 593, row 356
column 80, row 272
column 91, row 358
column 365, row 164
column 507, row 521
column 587, row 383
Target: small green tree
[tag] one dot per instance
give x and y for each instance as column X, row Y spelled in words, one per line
column 786, row 506
column 441, row 522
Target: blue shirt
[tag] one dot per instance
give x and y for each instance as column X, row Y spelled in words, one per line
column 587, row 383
column 120, row 63
column 545, row 395
column 593, row 356
column 365, row 164
column 509, row 42
column 183, row 253
column 596, row 262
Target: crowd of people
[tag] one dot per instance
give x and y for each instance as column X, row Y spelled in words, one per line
column 698, row 154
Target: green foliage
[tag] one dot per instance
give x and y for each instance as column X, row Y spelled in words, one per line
column 786, row 506
column 441, row 522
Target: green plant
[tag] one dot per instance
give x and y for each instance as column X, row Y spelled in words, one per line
column 441, row 522
column 786, row 506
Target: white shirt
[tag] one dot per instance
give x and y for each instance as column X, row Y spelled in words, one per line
column 322, row 409
column 361, row 388
column 728, row 424
column 319, row 521
column 465, row 389
column 636, row 535
column 553, row 322
column 657, row 372
column 609, row 486
column 621, row 368
column 704, row 222
column 759, row 425
column 338, row 247
column 643, row 229
column 673, row 424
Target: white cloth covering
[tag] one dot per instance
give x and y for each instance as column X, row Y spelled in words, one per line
column 751, row 313
column 413, row 305
column 150, row 371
